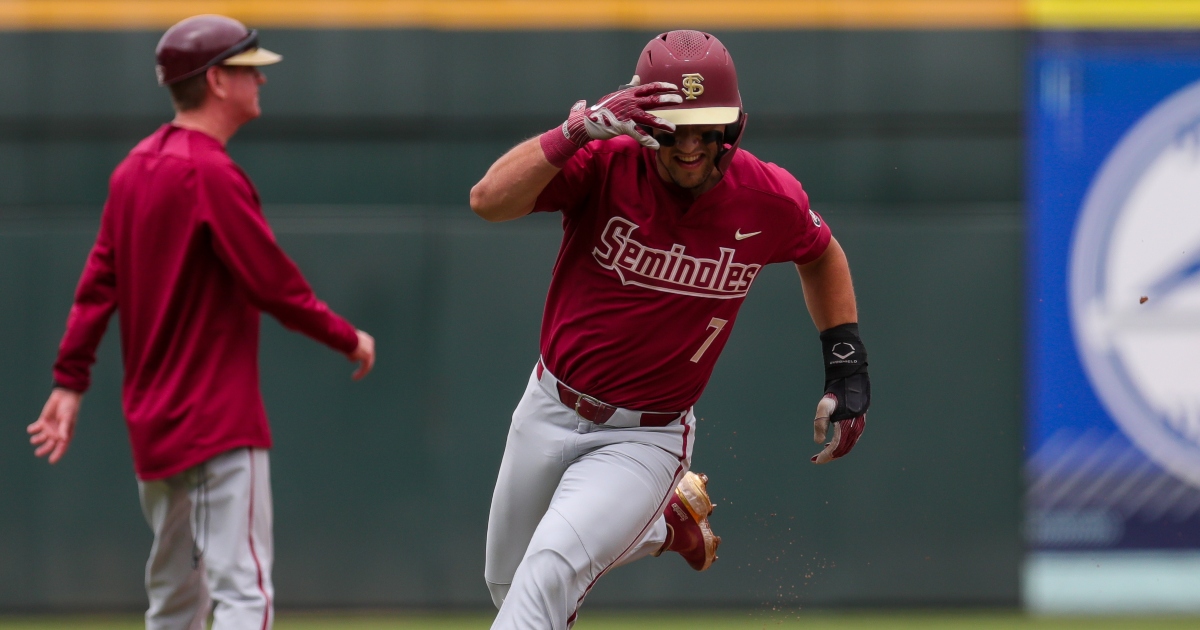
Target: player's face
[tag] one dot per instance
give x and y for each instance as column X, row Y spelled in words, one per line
column 243, row 82
column 691, row 161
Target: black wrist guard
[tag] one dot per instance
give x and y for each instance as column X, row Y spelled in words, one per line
column 846, row 371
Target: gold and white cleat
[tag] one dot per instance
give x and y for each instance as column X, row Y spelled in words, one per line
column 688, row 531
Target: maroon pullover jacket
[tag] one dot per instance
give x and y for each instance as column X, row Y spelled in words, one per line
column 185, row 256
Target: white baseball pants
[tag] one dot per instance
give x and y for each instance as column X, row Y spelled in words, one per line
column 574, row 499
column 212, row 542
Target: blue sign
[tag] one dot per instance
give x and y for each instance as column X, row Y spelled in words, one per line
column 1113, row 294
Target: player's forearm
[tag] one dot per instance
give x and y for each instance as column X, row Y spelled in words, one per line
column 828, row 289
column 512, row 185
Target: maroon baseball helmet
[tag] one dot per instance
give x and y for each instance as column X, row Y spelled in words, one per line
column 699, row 64
column 703, row 69
column 203, row 41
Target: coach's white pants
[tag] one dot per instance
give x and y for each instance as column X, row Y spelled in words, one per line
column 572, row 500
column 212, row 542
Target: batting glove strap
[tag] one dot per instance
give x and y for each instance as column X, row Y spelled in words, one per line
column 558, row 144
column 853, row 395
column 846, row 371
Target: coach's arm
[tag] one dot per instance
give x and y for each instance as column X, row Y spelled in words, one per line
column 512, row 185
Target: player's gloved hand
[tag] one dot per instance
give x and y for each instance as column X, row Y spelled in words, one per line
column 618, row 114
column 847, row 392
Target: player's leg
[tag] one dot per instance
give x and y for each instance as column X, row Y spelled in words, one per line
column 236, row 538
column 650, row 544
column 174, row 575
column 607, row 501
column 678, row 440
column 529, row 473
column 683, row 528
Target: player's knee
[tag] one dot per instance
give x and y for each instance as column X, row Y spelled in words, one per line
column 499, row 592
column 551, row 567
column 556, row 560
column 552, row 576
column 544, row 592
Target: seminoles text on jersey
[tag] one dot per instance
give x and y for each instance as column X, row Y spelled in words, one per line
column 671, row 271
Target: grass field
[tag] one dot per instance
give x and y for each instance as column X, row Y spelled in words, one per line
column 603, row 620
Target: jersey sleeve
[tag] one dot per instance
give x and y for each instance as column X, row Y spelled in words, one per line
column 810, row 236
column 244, row 243
column 95, row 301
column 568, row 190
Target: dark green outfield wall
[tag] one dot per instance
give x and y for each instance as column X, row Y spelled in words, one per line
column 909, row 143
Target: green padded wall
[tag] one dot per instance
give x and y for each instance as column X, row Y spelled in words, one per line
column 908, row 143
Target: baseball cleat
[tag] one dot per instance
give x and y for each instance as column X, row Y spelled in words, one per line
column 688, row 531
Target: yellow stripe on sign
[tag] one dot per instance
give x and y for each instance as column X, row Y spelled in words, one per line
column 1115, row 14
column 607, row 14
column 521, row 14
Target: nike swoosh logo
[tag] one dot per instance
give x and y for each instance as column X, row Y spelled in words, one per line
column 741, row 237
column 597, row 106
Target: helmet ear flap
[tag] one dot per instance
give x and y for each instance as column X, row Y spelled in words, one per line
column 733, row 138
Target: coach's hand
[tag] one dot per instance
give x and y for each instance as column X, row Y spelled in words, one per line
column 364, row 354
column 847, row 392
column 53, row 430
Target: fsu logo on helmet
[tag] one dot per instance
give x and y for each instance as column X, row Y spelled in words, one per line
column 693, row 85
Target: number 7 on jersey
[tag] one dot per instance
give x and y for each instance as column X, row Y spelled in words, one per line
column 716, row 324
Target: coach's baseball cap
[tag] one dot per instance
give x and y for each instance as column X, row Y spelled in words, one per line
column 700, row 65
column 203, row 41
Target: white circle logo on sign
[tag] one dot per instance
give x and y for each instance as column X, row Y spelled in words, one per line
column 1138, row 235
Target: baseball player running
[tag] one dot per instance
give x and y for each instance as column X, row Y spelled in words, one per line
column 666, row 225
column 186, row 257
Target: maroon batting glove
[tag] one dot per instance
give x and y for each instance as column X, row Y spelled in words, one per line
column 617, row 114
column 845, row 432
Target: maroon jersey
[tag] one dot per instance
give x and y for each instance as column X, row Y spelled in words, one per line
column 649, row 280
column 186, row 257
